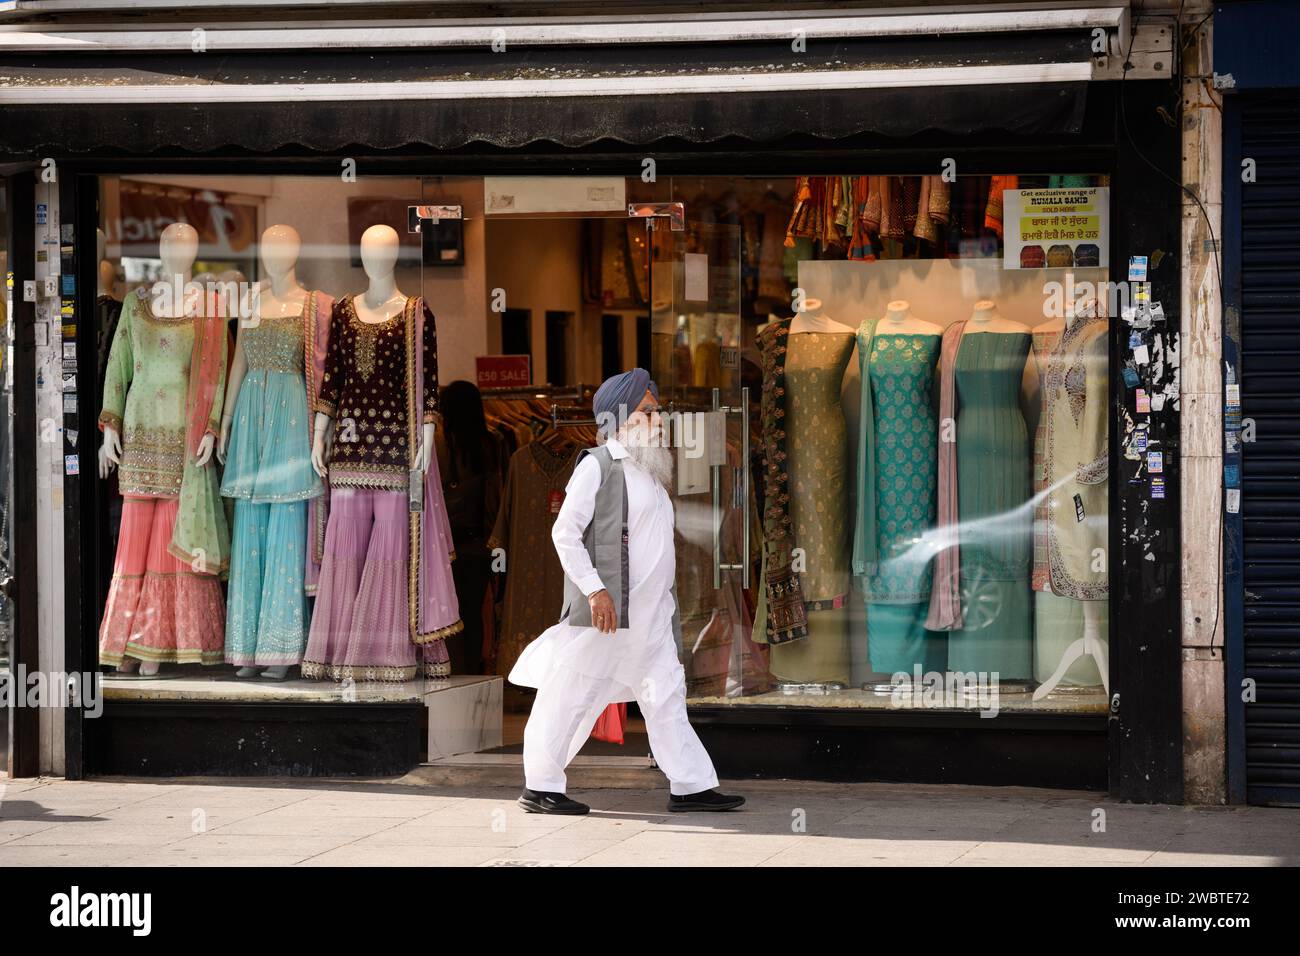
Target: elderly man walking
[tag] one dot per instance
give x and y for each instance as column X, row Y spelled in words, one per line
column 617, row 635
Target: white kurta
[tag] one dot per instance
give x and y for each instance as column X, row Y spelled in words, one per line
column 579, row 671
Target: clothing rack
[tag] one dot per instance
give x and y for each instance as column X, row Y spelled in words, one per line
column 557, row 421
column 576, row 392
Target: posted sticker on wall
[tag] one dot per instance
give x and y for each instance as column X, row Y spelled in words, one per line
column 1056, row 228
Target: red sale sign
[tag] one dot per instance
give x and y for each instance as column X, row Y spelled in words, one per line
column 497, row 371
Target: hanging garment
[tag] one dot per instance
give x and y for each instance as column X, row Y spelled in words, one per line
column 861, row 246
column 534, row 580
column 269, row 474
column 781, row 616
column 993, row 212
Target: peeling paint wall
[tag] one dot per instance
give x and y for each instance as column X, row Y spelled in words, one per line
column 1204, row 740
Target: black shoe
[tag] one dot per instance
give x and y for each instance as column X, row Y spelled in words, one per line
column 542, row 801
column 704, row 800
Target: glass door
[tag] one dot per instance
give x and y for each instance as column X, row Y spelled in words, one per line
column 696, row 337
column 6, row 482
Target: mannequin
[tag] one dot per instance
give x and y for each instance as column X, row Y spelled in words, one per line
column 899, row 320
column 813, row 318
column 266, row 448
column 818, row 352
column 164, row 384
column 986, row 318
column 981, row 591
column 897, row 355
column 1075, row 463
column 379, row 247
column 378, row 455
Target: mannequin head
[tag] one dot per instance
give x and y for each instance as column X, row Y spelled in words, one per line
column 107, row 277
column 379, row 247
column 281, row 245
column 178, row 248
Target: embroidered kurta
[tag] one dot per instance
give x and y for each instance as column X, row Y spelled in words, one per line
column 1077, row 461
column 145, row 394
column 363, row 390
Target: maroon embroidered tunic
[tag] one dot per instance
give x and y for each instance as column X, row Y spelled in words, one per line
column 363, row 389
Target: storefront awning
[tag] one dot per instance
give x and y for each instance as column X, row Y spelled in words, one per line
column 1020, row 83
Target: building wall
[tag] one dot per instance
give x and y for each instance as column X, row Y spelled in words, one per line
column 1204, row 738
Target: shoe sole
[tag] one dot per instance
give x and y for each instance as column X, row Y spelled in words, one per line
column 534, row 807
column 690, row 807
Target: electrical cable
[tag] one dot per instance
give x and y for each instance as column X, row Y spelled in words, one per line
column 1218, row 267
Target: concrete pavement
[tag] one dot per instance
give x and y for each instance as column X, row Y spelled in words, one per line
column 291, row 822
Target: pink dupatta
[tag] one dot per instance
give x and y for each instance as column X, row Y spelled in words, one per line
column 435, row 612
column 945, row 593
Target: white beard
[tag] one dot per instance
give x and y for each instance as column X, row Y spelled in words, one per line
column 650, row 453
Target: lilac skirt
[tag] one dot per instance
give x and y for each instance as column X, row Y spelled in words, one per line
column 359, row 627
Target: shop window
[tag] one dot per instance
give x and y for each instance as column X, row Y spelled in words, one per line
column 940, row 349
column 931, row 445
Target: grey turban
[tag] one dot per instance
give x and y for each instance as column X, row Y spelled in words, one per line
column 618, row 398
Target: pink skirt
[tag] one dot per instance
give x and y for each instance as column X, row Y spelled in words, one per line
column 360, row 628
column 158, row 609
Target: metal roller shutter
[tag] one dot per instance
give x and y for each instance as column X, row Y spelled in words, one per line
column 1270, row 364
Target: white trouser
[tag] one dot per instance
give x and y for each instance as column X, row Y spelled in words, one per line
column 567, row 706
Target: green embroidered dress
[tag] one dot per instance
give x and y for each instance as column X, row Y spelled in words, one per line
column 898, row 448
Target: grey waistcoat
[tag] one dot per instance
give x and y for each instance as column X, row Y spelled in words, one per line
column 606, row 542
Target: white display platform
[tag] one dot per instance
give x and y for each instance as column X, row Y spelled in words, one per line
column 464, row 713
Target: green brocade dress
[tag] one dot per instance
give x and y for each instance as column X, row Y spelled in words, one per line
column 900, row 371
column 993, row 493
column 819, row 486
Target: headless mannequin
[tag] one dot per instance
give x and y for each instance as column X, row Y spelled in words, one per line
column 986, row 318
column 899, row 318
column 814, row 319
column 280, row 296
column 1091, row 642
column 379, row 245
column 178, row 248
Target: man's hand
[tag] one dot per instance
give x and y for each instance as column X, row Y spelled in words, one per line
column 603, row 616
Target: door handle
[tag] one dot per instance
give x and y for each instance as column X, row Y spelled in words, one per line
column 739, row 493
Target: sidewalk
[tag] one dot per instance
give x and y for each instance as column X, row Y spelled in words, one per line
column 390, row 822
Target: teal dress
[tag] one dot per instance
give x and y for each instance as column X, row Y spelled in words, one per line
column 993, row 494
column 900, row 372
column 269, row 474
